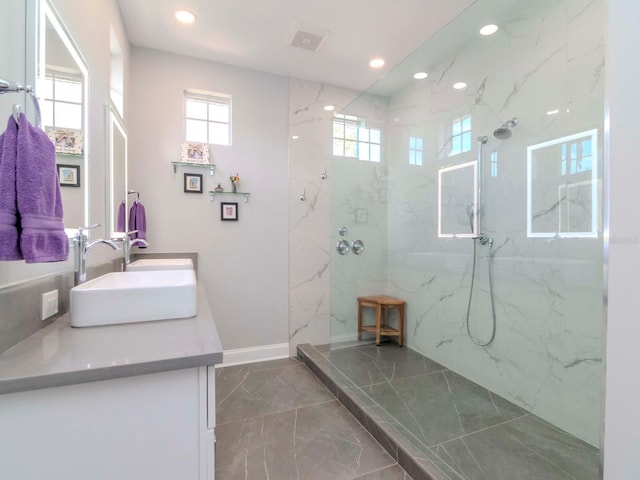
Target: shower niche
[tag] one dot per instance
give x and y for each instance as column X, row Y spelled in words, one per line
column 458, row 200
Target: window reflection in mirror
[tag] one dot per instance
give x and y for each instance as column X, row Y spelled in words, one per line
column 563, row 187
column 116, row 175
column 457, row 195
column 62, row 79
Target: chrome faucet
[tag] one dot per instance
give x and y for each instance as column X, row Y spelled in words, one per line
column 82, row 248
column 127, row 243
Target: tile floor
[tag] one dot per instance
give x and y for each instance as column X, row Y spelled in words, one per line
column 276, row 421
column 442, row 419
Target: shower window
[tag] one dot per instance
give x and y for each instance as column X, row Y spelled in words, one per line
column 460, row 135
column 352, row 138
column 63, row 99
column 208, row 117
column 415, row 151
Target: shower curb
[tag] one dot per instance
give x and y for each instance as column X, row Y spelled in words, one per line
column 418, row 461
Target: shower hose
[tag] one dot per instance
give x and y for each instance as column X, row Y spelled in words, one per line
column 483, row 240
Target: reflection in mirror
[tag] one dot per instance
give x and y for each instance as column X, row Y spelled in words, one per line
column 62, row 76
column 116, row 175
column 457, row 195
column 563, row 187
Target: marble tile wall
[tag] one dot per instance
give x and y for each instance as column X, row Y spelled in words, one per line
column 547, row 355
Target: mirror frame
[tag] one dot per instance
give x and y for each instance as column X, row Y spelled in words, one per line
column 47, row 11
column 114, row 122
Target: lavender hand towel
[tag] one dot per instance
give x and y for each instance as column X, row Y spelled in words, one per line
column 39, row 201
column 141, row 223
column 132, row 221
column 9, row 221
column 120, row 227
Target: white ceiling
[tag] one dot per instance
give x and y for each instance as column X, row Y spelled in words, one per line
column 256, row 33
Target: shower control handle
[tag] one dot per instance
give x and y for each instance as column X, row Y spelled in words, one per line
column 357, row 247
column 343, row 247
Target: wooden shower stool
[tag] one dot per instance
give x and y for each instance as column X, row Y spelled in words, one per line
column 382, row 303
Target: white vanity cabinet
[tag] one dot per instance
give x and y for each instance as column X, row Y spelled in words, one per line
column 157, row 426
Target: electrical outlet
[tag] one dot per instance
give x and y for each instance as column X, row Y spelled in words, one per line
column 49, row 304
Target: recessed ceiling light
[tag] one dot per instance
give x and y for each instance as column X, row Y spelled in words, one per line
column 376, row 63
column 459, row 85
column 488, row 29
column 185, row 16
column 420, row 75
column 553, row 112
column 329, row 108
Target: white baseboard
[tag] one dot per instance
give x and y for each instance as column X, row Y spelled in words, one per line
column 240, row 356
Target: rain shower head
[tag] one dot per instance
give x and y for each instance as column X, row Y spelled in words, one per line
column 504, row 132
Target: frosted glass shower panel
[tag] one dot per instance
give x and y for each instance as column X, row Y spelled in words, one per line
column 457, row 197
column 563, row 188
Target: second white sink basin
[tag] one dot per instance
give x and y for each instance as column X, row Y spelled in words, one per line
column 128, row 297
column 160, row 264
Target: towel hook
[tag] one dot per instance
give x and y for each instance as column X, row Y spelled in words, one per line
column 16, row 87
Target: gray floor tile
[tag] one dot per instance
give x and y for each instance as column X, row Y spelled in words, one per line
column 390, row 473
column 441, row 406
column 253, row 391
column 315, row 443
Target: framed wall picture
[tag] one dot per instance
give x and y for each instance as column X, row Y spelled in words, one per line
column 192, row 183
column 195, row 152
column 69, row 175
column 229, row 211
column 67, row 141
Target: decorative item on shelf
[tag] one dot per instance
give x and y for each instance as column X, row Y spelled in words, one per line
column 69, row 175
column 235, row 181
column 67, row 140
column 192, row 183
column 218, row 189
column 228, row 211
column 195, row 152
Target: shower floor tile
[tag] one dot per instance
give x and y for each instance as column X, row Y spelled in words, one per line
column 443, row 426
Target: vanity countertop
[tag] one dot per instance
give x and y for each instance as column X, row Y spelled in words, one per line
column 60, row 355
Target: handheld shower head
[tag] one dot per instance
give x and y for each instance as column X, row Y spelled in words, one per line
column 504, row 132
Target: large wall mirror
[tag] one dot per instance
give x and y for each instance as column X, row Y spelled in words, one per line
column 116, row 174
column 62, row 86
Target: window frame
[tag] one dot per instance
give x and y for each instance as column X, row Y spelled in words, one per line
column 209, row 98
column 361, row 131
column 57, row 74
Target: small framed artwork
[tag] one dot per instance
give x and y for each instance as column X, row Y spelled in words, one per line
column 69, row 175
column 67, row 141
column 195, row 152
column 229, row 211
column 192, row 183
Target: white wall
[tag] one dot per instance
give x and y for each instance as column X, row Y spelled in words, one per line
column 244, row 264
column 622, row 424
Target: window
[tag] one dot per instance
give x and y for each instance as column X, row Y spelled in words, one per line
column 576, row 157
column 63, row 99
column 351, row 138
column 494, row 164
column 415, row 151
column 460, row 135
column 208, row 118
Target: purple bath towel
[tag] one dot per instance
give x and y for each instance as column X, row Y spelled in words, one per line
column 141, row 223
column 9, row 222
column 120, row 226
column 132, row 221
column 39, row 201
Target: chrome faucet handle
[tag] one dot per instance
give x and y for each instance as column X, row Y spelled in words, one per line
column 82, row 230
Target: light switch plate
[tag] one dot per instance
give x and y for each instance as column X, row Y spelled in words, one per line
column 49, row 304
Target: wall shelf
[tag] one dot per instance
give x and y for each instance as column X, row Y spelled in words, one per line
column 213, row 193
column 209, row 166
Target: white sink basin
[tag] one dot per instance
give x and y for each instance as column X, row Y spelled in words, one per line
column 128, row 297
column 146, row 264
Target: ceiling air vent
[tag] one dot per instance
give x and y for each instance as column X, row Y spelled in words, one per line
column 309, row 38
